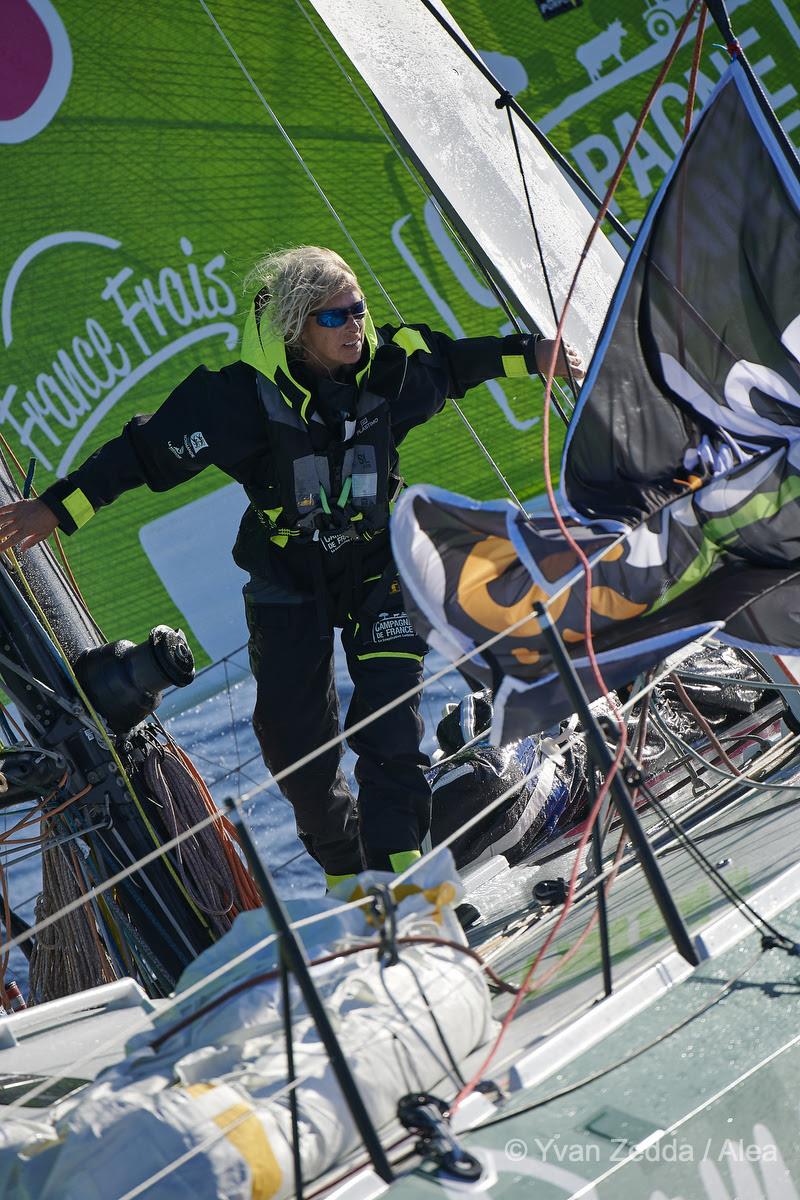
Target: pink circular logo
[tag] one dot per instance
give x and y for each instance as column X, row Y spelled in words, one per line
column 35, row 67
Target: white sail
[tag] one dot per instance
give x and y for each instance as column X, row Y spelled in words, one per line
column 444, row 109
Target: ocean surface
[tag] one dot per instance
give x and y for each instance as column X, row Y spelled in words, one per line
column 211, row 720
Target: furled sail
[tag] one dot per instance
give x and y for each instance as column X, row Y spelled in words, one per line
column 682, row 463
column 444, row 110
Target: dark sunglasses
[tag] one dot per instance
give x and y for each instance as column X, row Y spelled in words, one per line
column 333, row 318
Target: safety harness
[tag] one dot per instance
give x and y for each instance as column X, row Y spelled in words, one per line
column 337, row 496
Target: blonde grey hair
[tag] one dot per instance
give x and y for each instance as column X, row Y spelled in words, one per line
column 293, row 283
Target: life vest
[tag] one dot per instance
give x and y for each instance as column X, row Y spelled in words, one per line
column 333, row 495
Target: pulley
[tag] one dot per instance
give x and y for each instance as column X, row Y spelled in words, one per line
column 428, row 1116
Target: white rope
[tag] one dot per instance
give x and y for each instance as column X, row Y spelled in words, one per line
column 173, row 843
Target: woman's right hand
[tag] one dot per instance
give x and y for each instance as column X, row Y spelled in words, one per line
column 25, row 523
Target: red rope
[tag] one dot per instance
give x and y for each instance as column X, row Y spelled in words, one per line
column 470, row 1086
column 692, row 91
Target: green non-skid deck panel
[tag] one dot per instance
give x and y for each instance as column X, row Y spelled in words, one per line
column 723, row 1091
column 753, row 842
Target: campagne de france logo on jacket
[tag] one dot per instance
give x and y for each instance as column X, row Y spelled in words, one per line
column 390, row 626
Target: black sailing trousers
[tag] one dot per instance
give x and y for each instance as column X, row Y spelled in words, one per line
column 297, row 710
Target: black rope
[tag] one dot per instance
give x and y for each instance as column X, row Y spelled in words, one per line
column 503, row 101
column 770, row 935
column 451, row 1058
column 541, row 137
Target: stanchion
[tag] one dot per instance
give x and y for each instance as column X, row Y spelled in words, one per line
column 294, row 956
column 600, row 753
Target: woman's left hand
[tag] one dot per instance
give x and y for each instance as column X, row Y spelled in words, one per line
column 569, row 359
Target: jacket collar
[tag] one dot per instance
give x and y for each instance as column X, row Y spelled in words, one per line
column 267, row 353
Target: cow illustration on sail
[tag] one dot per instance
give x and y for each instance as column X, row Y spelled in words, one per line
column 607, row 44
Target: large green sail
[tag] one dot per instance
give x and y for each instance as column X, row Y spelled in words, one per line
column 143, row 173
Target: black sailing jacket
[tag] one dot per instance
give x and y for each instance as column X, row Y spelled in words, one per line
column 219, row 418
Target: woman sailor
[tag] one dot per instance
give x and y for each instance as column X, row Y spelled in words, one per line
column 309, row 421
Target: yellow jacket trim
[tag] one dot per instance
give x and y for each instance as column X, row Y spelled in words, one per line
column 390, row 654
column 270, row 354
column 401, row 860
column 78, row 507
column 410, row 340
column 514, row 366
column 331, row 881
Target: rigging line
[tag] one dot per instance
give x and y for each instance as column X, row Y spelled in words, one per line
column 503, row 102
column 604, row 1071
column 687, row 843
column 232, row 716
column 542, row 138
column 695, row 71
column 452, row 1070
column 682, row 185
column 307, row 170
column 728, row 775
column 60, row 840
column 607, row 882
column 42, row 687
column 224, row 1131
column 284, row 133
column 476, row 438
column 760, row 815
column 525, row 985
column 428, row 194
column 703, row 724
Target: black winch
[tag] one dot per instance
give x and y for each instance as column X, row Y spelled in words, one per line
column 125, row 681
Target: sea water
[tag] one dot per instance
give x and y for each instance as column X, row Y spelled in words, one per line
column 216, row 731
